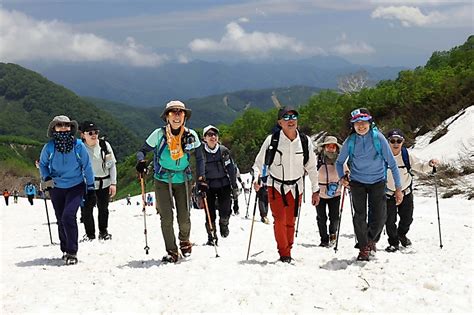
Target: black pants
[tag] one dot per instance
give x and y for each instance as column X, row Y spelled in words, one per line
column 30, row 198
column 6, row 199
column 321, row 217
column 405, row 212
column 102, row 201
column 374, row 194
column 263, row 201
column 223, row 197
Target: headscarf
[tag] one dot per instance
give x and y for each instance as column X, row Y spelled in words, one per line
column 63, row 141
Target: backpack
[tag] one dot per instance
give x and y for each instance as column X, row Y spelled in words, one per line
column 406, row 160
column 377, row 145
column 103, row 150
column 273, row 148
column 51, row 150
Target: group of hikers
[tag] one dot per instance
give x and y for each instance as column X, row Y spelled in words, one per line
column 29, row 190
column 374, row 169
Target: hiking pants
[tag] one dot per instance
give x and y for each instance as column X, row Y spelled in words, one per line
column 321, row 217
column 283, row 220
column 375, row 195
column 6, row 199
column 263, row 202
column 405, row 212
column 30, row 198
column 87, row 212
column 66, row 202
column 223, row 197
column 164, row 206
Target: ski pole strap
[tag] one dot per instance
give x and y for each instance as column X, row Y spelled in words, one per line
column 282, row 191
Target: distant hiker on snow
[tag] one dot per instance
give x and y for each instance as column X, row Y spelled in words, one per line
column 406, row 162
column 172, row 146
column 16, row 194
column 105, row 181
column 6, row 195
column 285, row 156
column 129, row 200
column 30, row 192
column 65, row 161
column 368, row 155
column 149, row 200
column 220, row 183
column 330, row 190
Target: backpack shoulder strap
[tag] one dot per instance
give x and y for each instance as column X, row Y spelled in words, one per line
column 271, row 150
column 350, row 147
column 304, row 143
column 377, row 145
column 406, row 159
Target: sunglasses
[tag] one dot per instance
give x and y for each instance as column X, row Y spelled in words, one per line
column 287, row 117
column 393, row 141
column 211, row 134
column 175, row 112
column 63, row 125
column 92, row 132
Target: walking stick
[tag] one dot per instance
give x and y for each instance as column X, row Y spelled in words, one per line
column 299, row 216
column 437, row 206
column 340, row 219
column 210, row 224
column 142, row 184
column 253, row 220
column 250, row 194
column 47, row 214
column 352, row 213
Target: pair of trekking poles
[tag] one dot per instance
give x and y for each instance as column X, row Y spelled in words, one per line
column 352, row 211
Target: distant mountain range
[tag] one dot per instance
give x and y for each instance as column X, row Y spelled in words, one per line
column 148, row 87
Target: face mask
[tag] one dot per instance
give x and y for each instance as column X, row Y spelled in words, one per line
column 63, row 141
column 330, row 156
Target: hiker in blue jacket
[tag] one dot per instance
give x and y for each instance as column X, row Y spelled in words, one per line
column 30, row 192
column 65, row 161
column 368, row 155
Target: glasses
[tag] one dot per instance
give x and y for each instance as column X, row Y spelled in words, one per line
column 92, row 132
column 63, row 125
column 211, row 134
column 287, row 117
column 175, row 112
column 393, row 141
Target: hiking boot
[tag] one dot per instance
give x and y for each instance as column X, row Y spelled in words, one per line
column 172, row 257
column 71, row 259
column 265, row 220
column 323, row 244
column 88, row 238
column 372, row 247
column 105, row 236
column 332, row 238
column 186, row 248
column 210, row 241
column 236, row 212
column 64, row 257
column 392, row 248
column 286, row 259
column 405, row 241
column 224, row 228
column 364, row 253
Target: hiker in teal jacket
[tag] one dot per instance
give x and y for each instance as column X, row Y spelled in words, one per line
column 368, row 155
column 30, row 192
column 65, row 161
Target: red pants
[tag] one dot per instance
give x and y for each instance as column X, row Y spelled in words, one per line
column 283, row 220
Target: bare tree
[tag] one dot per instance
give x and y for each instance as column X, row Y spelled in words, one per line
column 353, row 82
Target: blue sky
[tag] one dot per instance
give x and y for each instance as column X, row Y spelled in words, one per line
column 149, row 33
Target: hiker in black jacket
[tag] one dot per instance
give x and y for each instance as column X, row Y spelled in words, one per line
column 221, row 180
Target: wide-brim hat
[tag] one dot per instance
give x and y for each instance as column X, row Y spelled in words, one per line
column 175, row 105
column 209, row 127
column 286, row 110
column 330, row 140
column 360, row 114
column 88, row 126
column 61, row 119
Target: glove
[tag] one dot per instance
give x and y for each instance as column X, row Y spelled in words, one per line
column 141, row 166
column 47, row 183
column 235, row 193
column 203, row 187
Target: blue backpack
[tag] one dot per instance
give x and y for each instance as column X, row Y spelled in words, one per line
column 377, row 145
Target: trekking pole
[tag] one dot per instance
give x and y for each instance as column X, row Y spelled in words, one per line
column 142, row 184
column 437, row 206
column 299, row 215
column 245, row 195
column 352, row 213
column 253, row 220
column 47, row 214
column 340, row 217
column 250, row 195
column 210, row 224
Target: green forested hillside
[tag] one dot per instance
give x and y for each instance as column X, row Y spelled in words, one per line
column 215, row 109
column 28, row 102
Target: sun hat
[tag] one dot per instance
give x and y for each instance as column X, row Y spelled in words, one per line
column 175, row 105
column 61, row 119
column 330, row 140
column 209, row 127
column 360, row 114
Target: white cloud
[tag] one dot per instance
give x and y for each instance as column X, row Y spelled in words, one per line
column 346, row 48
column 408, row 16
column 24, row 38
column 252, row 44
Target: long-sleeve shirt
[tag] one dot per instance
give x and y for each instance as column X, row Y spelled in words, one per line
column 288, row 165
column 103, row 168
column 328, row 174
column 367, row 166
column 405, row 177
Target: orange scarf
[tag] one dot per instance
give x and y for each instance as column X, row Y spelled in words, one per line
column 174, row 143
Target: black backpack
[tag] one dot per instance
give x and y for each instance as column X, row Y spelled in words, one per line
column 103, row 150
column 273, row 148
